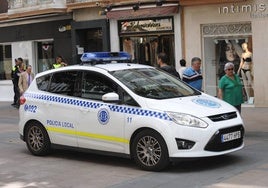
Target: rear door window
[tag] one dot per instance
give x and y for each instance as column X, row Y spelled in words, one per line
column 43, row 82
column 64, row 83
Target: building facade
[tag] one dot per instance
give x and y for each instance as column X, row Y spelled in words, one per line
column 214, row 30
column 218, row 33
column 36, row 31
column 141, row 28
column 90, row 30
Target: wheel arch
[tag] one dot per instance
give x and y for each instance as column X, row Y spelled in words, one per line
column 137, row 132
column 36, row 137
column 28, row 123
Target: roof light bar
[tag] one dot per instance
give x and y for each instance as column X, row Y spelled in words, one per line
column 105, row 56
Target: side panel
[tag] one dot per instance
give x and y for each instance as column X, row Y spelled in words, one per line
column 54, row 113
column 101, row 128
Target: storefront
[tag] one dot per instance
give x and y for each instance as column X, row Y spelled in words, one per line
column 146, row 32
column 90, row 31
column 37, row 42
column 145, row 38
column 89, row 36
column 230, row 32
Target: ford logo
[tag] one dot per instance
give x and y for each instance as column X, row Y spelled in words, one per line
column 225, row 116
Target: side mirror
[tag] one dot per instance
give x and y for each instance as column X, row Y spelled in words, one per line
column 110, row 97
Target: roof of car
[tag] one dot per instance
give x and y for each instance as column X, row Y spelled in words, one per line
column 97, row 67
column 121, row 66
column 109, row 61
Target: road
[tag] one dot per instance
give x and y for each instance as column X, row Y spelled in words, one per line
column 68, row 169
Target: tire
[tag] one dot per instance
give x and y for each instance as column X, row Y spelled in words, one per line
column 37, row 139
column 149, row 151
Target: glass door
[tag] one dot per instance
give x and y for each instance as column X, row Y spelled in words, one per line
column 5, row 62
column 45, row 55
column 144, row 49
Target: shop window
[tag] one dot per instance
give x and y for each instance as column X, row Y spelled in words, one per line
column 237, row 50
column 145, row 38
column 228, row 42
column 144, row 50
column 5, row 62
column 45, row 55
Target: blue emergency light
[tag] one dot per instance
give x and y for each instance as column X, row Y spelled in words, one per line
column 105, row 56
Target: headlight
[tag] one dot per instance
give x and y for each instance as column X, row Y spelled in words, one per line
column 187, row 120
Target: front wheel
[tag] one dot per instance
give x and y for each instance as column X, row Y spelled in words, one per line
column 149, row 151
column 37, row 139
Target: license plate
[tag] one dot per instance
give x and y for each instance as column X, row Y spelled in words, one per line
column 230, row 136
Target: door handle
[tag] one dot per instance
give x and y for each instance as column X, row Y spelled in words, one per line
column 84, row 110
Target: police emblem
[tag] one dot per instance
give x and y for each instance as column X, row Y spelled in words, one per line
column 103, row 116
column 207, row 103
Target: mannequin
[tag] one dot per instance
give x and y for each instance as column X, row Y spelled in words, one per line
column 246, row 68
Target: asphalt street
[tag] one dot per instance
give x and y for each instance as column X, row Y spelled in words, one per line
column 247, row 168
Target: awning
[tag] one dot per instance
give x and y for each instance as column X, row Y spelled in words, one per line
column 142, row 13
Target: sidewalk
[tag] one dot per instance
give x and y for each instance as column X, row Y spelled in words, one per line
column 255, row 119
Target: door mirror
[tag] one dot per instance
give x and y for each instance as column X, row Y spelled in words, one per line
column 110, row 97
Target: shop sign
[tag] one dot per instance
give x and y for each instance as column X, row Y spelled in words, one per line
column 256, row 10
column 152, row 25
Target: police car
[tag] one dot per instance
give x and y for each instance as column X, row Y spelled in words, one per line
column 108, row 105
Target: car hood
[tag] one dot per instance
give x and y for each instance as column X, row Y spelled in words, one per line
column 199, row 106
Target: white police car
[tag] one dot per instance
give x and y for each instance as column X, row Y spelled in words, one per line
column 125, row 109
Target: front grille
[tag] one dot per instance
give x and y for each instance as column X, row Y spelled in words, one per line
column 222, row 117
column 216, row 144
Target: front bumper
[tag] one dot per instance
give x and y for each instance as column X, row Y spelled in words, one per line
column 206, row 142
column 217, row 145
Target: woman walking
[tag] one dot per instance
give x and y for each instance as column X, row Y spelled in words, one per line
column 230, row 87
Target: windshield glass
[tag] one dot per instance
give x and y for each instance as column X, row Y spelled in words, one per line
column 154, row 84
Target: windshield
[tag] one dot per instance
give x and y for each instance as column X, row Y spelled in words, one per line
column 152, row 83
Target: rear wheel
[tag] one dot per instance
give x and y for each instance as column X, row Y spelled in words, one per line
column 37, row 139
column 149, row 151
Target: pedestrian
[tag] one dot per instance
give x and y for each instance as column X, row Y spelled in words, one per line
column 21, row 66
column 162, row 61
column 15, row 80
column 193, row 75
column 183, row 67
column 59, row 63
column 230, row 87
column 25, row 79
column 21, row 61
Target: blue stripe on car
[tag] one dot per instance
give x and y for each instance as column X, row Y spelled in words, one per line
column 95, row 105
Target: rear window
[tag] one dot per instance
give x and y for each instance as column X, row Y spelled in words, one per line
column 60, row 83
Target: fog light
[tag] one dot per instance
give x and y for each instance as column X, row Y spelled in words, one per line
column 184, row 144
